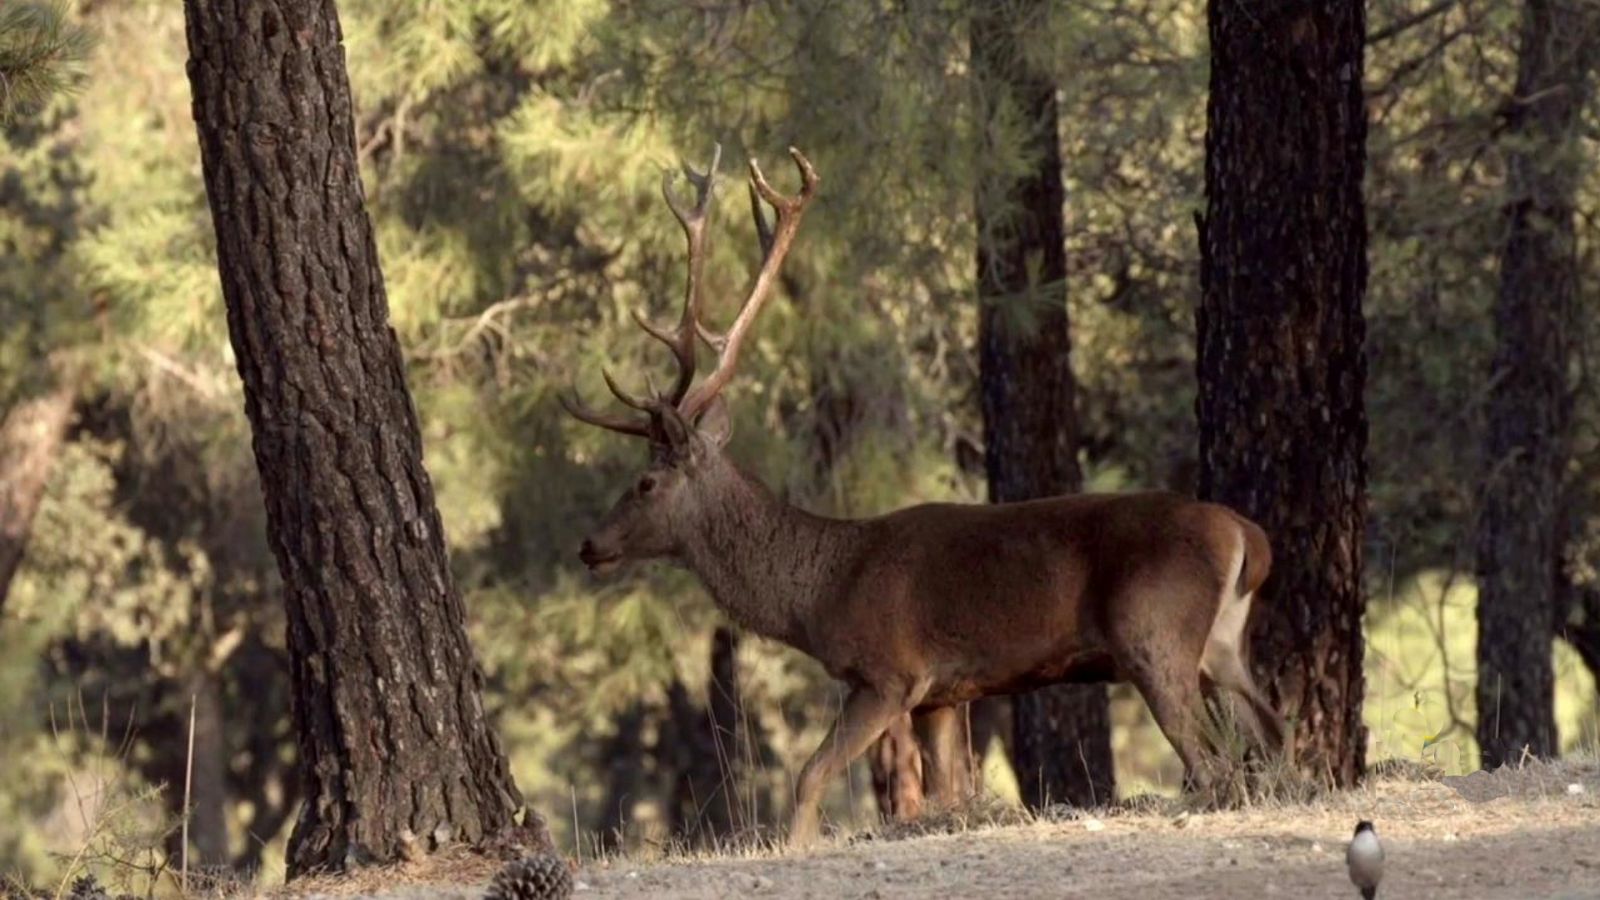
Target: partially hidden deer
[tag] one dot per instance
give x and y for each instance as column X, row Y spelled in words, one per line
column 930, row 607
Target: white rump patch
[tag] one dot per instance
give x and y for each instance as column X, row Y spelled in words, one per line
column 1222, row 661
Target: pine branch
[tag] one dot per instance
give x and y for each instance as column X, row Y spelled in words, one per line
column 41, row 54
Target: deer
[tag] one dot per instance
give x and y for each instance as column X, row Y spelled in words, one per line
column 927, row 608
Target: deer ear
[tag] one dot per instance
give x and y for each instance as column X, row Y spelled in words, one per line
column 714, row 425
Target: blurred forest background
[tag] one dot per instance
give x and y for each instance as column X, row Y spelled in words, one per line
column 512, row 154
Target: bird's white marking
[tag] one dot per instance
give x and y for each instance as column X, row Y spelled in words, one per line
column 1365, row 859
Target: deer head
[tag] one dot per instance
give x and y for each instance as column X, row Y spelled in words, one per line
column 687, row 426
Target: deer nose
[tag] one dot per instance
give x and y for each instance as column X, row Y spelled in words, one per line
column 586, row 553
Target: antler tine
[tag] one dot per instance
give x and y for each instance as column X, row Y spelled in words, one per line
column 713, row 340
column 577, row 410
column 763, row 226
column 703, row 182
column 693, row 220
column 789, row 211
column 624, row 396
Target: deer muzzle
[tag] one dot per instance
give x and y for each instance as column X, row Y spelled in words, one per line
column 597, row 559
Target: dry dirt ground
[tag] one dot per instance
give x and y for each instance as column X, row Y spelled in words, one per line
column 1531, row 833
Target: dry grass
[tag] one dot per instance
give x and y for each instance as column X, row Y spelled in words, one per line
column 456, row 865
column 1516, row 832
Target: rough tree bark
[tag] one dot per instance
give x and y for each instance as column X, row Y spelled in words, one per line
column 1521, row 528
column 31, row 435
column 1061, row 740
column 1281, row 364
column 396, row 752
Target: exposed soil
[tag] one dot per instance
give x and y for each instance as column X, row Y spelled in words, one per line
column 1534, row 832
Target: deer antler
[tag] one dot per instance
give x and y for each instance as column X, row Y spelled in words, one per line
column 681, row 340
column 693, row 220
column 690, row 400
column 775, row 242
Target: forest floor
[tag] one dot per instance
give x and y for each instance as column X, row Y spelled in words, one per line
column 1530, row 832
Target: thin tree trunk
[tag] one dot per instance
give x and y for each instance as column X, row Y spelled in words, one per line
column 725, row 709
column 31, row 435
column 1061, row 744
column 1521, row 529
column 259, row 777
column 396, row 752
column 208, row 799
column 624, row 754
column 698, row 805
column 1281, row 364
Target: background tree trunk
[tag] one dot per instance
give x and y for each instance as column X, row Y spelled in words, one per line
column 1061, row 744
column 625, row 778
column 395, row 750
column 31, row 435
column 1521, row 529
column 208, row 811
column 1281, row 364
column 711, row 750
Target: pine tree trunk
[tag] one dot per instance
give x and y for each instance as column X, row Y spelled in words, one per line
column 1520, row 527
column 396, row 752
column 208, row 797
column 1281, row 364
column 1061, row 743
column 31, row 435
column 624, row 756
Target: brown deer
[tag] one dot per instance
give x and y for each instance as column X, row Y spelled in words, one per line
column 924, row 609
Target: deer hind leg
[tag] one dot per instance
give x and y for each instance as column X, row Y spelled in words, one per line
column 1172, row 691
column 866, row 714
column 949, row 778
column 1232, row 680
column 897, row 777
column 1223, row 663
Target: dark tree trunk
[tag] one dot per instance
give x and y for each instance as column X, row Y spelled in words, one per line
column 208, row 798
column 1061, row 744
column 725, row 706
column 395, row 749
column 258, row 774
column 624, row 754
column 31, row 435
column 711, row 746
column 1520, row 527
column 699, row 803
column 1281, row 365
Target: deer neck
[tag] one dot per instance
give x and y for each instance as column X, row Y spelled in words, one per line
column 764, row 561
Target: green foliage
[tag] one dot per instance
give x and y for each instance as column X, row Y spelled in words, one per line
column 1421, row 678
column 40, row 54
column 513, row 155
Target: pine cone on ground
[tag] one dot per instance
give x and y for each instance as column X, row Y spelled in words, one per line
column 542, row 877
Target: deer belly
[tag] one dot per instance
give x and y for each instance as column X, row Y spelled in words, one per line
column 963, row 684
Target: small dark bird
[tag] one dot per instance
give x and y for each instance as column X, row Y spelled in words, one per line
column 1365, row 859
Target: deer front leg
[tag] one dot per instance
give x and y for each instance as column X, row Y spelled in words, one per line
column 866, row 714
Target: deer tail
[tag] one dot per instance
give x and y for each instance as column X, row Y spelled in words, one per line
column 1257, row 558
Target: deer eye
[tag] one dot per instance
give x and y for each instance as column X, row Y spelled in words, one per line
column 647, row 484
